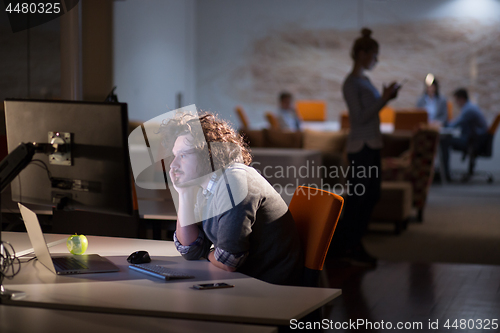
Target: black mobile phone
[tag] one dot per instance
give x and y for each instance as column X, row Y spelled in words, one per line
column 212, row 286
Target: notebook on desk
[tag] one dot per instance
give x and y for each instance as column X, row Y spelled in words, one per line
column 62, row 264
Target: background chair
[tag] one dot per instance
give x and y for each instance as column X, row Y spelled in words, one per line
column 386, row 116
column 344, row 121
column 311, row 110
column 482, row 148
column 273, row 121
column 252, row 137
column 316, row 213
column 449, row 105
column 416, row 166
column 410, row 119
column 242, row 116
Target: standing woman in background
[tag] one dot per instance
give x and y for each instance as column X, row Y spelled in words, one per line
column 363, row 148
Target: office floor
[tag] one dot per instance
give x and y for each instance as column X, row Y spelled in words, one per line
column 447, row 267
column 461, row 225
column 415, row 293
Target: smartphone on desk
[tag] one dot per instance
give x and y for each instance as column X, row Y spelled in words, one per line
column 212, row 286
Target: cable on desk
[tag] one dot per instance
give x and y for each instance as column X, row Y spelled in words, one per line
column 8, row 262
column 26, row 261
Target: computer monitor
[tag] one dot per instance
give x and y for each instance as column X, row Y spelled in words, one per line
column 92, row 175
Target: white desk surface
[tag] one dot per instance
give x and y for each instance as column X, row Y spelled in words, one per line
column 28, row 319
column 130, row 292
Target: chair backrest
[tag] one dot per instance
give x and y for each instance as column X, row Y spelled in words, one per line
column 424, row 148
column 311, row 110
column 344, row 121
column 135, row 201
column 316, row 213
column 449, row 105
column 485, row 146
column 410, row 119
column 494, row 125
column 242, row 116
column 273, row 121
column 387, row 115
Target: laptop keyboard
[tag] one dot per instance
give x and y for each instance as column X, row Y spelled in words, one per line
column 69, row 263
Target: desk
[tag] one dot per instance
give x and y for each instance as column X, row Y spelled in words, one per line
column 287, row 168
column 334, row 126
column 27, row 319
column 158, row 214
column 159, row 209
column 129, row 292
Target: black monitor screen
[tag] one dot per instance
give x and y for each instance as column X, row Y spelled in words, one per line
column 94, row 175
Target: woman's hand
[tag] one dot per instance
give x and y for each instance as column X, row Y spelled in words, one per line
column 391, row 91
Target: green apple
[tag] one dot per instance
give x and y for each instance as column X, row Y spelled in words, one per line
column 77, row 244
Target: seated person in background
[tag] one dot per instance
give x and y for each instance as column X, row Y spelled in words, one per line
column 472, row 125
column 226, row 203
column 289, row 118
column 435, row 104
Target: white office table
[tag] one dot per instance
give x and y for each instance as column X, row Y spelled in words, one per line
column 39, row 320
column 129, row 292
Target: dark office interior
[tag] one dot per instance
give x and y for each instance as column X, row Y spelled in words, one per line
column 434, row 231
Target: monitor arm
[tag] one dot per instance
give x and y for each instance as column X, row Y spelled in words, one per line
column 20, row 157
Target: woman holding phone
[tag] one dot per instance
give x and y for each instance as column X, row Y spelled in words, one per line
column 364, row 142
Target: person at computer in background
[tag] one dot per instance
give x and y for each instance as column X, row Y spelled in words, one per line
column 435, row 104
column 472, row 125
column 289, row 119
column 258, row 236
column 363, row 147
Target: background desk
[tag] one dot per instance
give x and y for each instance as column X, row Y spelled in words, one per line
column 131, row 292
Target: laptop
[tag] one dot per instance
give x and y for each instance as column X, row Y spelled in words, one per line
column 60, row 264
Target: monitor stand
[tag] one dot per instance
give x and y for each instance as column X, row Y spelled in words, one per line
column 10, row 294
column 5, row 293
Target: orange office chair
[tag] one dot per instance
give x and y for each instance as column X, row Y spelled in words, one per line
column 316, row 213
column 242, row 116
column 410, row 119
column 387, row 115
column 449, row 105
column 311, row 110
column 273, row 121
